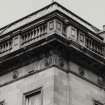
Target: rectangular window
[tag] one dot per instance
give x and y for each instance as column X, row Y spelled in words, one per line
column 33, row 98
column 97, row 103
column 2, row 103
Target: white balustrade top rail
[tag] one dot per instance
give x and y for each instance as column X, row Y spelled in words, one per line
column 35, row 33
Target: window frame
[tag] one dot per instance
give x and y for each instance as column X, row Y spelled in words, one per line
column 73, row 32
column 32, row 93
column 97, row 102
column 2, row 102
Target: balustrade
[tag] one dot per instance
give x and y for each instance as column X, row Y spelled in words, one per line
column 30, row 34
column 34, row 33
column 93, row 45
column 85, row 39
column 6, row 46
column 37, row 32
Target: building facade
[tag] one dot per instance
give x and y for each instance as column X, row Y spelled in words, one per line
column 52, row 57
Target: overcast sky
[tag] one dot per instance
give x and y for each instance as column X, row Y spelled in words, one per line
column 92, row 11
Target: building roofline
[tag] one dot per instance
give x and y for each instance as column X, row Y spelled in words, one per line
column 8, row 25
column 78, row 16
column 25, row 17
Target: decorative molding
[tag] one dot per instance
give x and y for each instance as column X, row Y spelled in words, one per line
column 15, row 74
column 81, row 71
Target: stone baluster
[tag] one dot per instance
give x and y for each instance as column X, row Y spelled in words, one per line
column 41, row 29
column 38, row 30
column 45, row 28
column 5, row 46
column 32, row 33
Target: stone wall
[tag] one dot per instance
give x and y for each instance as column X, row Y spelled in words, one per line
column 57, row 86
column 13, row 93
column 70, row 89
column 84, row 93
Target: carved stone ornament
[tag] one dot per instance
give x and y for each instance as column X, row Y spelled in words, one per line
column 15, row 74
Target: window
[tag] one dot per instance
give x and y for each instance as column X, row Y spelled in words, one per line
column 97, row 103
column 81, row 36
column 33, row 98
column 2, row 103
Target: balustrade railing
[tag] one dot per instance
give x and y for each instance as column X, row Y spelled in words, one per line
column 93, row 45
column 34, row 33
column 37, row 32
column 6, row 46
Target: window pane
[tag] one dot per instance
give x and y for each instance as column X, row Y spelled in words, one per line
column 97, row 103
column 2, row 103
column 33, row 99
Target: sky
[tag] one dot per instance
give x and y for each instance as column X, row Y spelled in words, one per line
column 92, row 11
